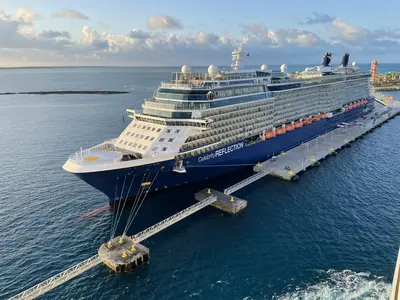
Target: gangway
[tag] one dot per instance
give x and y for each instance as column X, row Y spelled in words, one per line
column 58, row 279
column 137, row 238
column 247, row 181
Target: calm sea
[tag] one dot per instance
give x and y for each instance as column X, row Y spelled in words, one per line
column 332, row 235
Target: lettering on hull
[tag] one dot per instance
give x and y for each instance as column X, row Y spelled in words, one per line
column 221, row 152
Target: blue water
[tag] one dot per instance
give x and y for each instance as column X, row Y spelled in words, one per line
column 332, row 235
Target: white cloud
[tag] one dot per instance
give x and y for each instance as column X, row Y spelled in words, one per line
column 25, row 15
column 70, row 14
column 318, row 18
column 20, row 42
column 156, row 22
column 51, row 34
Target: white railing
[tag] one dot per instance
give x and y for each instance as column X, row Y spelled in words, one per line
column 58, row 279
column 107, row 146
column 246, row 182
column 137, row 238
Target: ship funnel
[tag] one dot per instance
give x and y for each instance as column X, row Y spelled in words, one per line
column 345, row 60
column 326, row 59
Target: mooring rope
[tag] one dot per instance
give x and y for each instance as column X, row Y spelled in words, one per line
column 145, row 195
column 123, row 206
column 119, row 203
column 138, row 194
column 112, row 216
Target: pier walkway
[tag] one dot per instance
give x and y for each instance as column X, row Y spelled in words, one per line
column 288, row 164
column 95, row 260
column 58, row 279
column 145, row 234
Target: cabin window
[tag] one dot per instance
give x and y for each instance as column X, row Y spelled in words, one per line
column 155, row 149
column 147, row 137
column 159, row 129
column 177, row 131
column 168, row 130
column 162, row 140
column 164, row 149
column 144, row 147
column 148, row 128
column 171, row 140
column 142, row 136
column 128, row 133
column 140, row 146
column 152, row 138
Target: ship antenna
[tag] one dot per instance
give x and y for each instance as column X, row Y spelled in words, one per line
column 238, row 55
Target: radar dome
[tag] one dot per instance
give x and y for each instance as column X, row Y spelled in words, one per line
column 264, row 68
column 212, row 70
column 353, row 64
column 185, row 69
column 283, row 68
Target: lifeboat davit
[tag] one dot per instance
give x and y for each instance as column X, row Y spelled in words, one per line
column 270, row 134
column 298, row 124
column 281, row 130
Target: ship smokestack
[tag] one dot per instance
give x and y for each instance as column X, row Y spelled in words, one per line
column 345, row 59
column 326, row 59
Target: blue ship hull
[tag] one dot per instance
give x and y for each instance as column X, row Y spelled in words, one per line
column 127, row 182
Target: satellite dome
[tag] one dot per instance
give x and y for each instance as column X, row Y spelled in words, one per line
column 185, row 69
column 264, row 68
column 283, row 68
column 212, row 70
column 353, row 64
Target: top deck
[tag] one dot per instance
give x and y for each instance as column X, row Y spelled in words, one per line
column 206, row 81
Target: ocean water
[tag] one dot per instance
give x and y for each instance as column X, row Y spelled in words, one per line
column 332, row 235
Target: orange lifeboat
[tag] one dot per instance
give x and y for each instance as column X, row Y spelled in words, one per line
column 270, row 134
column 307, row 121
column 298, row 124
column 317, row 117
column 290, row 127
column 281, row 130
column 351, row 106
column 323, row 116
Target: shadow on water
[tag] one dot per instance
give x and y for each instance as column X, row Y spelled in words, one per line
column 161, row 205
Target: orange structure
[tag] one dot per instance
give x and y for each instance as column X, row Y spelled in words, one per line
column 298, row 124
column 290, row 127
column 374, row 68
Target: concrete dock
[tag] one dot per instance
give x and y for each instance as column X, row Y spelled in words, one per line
column 224, row 202
column 122, row 254
column 288, row 164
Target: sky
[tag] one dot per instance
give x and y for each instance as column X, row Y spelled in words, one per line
column 177, row 32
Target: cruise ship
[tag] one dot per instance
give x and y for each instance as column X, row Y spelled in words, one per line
column 200, row 125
